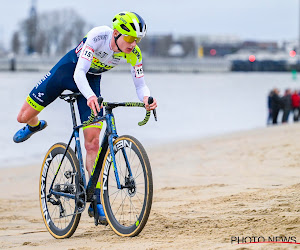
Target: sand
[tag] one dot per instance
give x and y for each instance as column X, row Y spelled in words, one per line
column 206, row 193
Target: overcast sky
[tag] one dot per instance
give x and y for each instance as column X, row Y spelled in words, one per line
column 271, row 20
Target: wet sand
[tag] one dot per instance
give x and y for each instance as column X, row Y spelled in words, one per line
column 205, row 192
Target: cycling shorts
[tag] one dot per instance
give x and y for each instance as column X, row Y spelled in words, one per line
column 58, row 79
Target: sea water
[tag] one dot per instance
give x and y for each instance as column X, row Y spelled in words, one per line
column 190, row 106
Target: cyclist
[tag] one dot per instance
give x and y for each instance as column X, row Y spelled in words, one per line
column 80, row 69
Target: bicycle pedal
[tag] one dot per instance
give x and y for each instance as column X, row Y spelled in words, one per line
column 90, row 212
column 104, row 222
column 96, row 222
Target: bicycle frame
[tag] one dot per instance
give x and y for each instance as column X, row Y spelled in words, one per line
column 107, row 141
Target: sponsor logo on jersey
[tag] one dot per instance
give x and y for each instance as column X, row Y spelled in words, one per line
column 101, row 54
column 99, row 37
column 138, row 55
column 98, row 67
column 115, row 61
column 79, row 47
column 42, row 80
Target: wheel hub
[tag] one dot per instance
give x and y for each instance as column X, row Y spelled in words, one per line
column 130, row 185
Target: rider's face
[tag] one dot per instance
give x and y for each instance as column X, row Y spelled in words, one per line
column 124, row 46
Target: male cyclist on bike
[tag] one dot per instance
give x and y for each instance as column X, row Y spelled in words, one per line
column 80, row 69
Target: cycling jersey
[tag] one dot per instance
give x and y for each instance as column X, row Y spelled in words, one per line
column 81, row 69
column 96, row 56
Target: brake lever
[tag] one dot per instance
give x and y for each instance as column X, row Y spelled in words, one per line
column 150, row 100
column 100, row 100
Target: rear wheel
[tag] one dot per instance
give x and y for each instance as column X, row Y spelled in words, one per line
column 127, row 209
column 60, row 213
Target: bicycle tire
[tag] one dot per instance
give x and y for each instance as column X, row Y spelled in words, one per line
column 60, row 225
column 136, row 210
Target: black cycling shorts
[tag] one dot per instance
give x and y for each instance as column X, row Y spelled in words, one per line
column 58, row 79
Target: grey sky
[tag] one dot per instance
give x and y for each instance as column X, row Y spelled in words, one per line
column 249, row 19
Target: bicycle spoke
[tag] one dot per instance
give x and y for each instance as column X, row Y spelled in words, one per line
column 114, row 192
column 138, row 175
column 62, row 216
column 115, row 198
column 121, row 203
column 131, row 202
column 138, row 198
column 137, row 169
column 128, row 210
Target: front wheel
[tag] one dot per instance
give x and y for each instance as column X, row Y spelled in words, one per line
column 59, row 210
column 127, row 209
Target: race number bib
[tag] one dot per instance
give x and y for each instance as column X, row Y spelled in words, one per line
column 139, row 71
column 87, row 53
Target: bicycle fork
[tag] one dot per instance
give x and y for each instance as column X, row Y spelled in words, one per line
column 107, row 142
column 113, row 134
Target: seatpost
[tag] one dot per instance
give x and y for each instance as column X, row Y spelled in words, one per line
column 73, row 113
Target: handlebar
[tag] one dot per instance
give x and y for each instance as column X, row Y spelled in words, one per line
column 112, row 105
column 150, row 100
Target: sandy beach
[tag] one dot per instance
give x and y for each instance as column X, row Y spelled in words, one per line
column 206, row 193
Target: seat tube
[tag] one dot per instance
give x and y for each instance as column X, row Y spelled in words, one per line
column 77, row 142
column 73, row 114
column 79, row 154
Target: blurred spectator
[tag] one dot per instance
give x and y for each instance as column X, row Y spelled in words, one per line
column 270, row 116
column 276, row 104
column 286, row 105
column 296, row 105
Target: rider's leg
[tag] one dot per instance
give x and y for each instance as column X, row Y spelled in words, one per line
column 91, row 143
column 28, row 115
column 58, row 79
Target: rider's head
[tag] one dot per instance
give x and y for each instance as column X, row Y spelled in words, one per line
column 131, row 27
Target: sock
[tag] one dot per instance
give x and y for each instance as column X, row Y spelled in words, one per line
column 97, row 192
column 35, row 127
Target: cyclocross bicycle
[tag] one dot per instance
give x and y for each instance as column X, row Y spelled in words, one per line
column 125, row 176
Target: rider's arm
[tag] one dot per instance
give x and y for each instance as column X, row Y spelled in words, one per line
column 84, row 63
column 82, row 67
column 142, row 89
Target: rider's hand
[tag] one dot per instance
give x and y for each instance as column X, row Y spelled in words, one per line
column 92, row 102
column 152, row 106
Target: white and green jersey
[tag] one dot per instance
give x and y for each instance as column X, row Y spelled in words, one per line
column 95, row 56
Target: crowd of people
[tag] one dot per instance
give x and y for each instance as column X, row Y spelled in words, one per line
column 288, row 103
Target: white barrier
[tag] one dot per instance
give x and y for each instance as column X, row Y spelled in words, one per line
column 188, row 65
